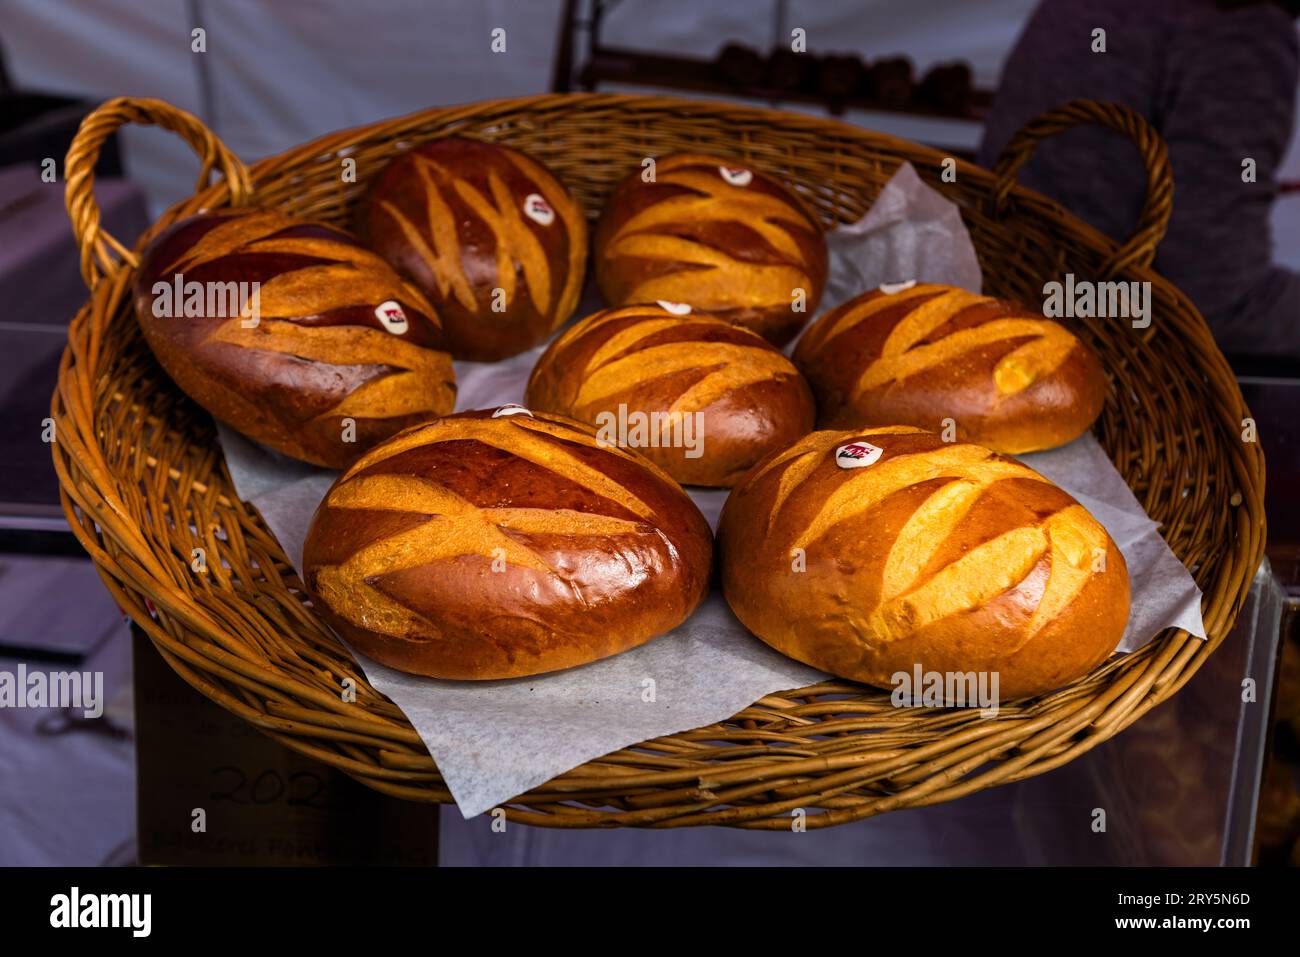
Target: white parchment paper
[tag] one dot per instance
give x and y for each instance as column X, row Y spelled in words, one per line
column 910, row 232
column 495, row 740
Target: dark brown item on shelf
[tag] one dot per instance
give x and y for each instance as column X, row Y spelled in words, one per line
column 334, row 352
column 889, row 82
column 947, row 88
column 503, row 543
column 741, row 66
column 489, row 235
column 839, row 75
column 701, row 398
column 790, row 71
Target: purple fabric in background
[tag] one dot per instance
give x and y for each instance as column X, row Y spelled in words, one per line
column 40, row 272
column 1220, row 87
column 40, row 291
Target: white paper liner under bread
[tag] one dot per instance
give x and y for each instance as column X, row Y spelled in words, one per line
column 495, row 740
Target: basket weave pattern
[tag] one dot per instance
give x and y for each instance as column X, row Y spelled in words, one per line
column 144, row 484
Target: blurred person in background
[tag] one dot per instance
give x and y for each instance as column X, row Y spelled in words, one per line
column 1217, row 79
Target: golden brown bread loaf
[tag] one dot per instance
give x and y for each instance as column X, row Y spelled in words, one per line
column 702, row 399
column 488, row 234
column 495, row 545
column 869, row 553
column 723, row 239
column 340, row 352
column 1008, row 379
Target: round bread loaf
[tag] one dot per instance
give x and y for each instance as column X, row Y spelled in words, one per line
column 1007, row 378
column 877, row 552
column 723, row 239
column 488, row 234
column 291, row 333
column 702, row 399
column 501, row 544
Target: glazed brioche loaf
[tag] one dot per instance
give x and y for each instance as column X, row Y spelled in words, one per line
column 699, row 397
column 328, row 350
column 869, row 553
column 1008, row 379
column 495, row 545
column 724, row 239
column 494, row 241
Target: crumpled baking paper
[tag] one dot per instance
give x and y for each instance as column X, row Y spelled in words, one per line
column 910, row 232
column 495, row 740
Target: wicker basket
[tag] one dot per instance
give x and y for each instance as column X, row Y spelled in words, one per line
column 144, row 482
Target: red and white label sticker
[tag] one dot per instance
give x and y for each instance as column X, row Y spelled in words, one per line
column 736, row 175
column 511, row 408
column 391, row 316
column 676, row 308
column 889, row 288
column 857, row 455
column 538, row 209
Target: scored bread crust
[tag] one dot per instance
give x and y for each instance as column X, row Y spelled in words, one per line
column 942, row 555
column 744, row 397
column 934, row 355
column 317, row 355
column 737, row 252
column 454, row 216
column 476, row 547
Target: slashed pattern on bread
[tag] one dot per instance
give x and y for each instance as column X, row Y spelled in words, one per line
column 492, row 237
column 920, row 340
column 738, row 248
column 337, row 334
column 936, row 356
column 641, row 351
column 740, row 396
column 916, row 590
column 455, row 526
column 922, row 552
column 486, row 547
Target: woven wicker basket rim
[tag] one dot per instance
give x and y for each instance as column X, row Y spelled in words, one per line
column 220, row 643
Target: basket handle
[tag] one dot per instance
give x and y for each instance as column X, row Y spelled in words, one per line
column 1140, row 248
column 97, row 247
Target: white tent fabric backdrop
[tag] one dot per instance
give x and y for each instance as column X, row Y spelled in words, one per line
column 282, row 73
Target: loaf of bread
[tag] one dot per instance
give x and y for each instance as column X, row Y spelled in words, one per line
column 702, row 399
column 291, row 333
column 872, row 553
column 494, row 241
column 970, row 367
column 500, row 544
column 722, row 238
